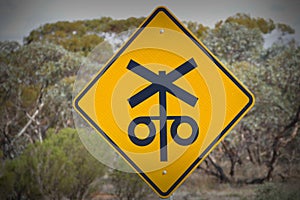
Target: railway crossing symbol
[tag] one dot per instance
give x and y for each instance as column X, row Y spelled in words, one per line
column 163, row 102
column 162, row 83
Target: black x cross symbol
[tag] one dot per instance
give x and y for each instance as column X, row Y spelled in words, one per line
column 162, row 83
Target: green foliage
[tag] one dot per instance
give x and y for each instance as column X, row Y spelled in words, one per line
column 6, row 48
column 76, row 43
column 274, row 80
column 39, row 63
column 58, row 168
column 276, row 89
column 30, row 77
column 265, row 26
column 119, row 26
column 129, row 186
column 16, row 181
column 234, row 43
column 284, row 28
column 29, row 95
column 273, row 76
column 199, row 30
column 80, row 36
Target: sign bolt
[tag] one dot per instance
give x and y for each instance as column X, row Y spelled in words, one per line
column 161, row 31
column 164, row 172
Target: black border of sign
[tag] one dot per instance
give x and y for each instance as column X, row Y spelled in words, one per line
column 196, row 162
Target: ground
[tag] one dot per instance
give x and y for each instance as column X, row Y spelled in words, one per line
column 199, row 187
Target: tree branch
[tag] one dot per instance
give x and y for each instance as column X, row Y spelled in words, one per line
column 40, row 104
column 219, row 169
column 30, row 121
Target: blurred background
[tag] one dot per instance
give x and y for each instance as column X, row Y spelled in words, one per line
column 44, row 43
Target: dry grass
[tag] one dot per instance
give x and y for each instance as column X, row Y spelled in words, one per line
column 203, row 187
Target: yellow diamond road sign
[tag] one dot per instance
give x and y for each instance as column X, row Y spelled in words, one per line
column 163, row 102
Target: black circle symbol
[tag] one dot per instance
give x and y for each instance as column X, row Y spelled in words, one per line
column 174, row 130
column 141, row 120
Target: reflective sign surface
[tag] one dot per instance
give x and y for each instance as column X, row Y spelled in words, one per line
column 163, row 102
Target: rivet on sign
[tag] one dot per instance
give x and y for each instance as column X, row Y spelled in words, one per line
column 164, row 172
column 162, row 31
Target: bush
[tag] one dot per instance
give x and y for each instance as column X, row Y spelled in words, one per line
column 129, row 186
column 56, row 169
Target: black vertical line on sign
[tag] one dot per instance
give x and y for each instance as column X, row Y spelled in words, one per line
column 163, row 120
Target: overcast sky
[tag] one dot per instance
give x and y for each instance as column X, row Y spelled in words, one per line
column 19, row 17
